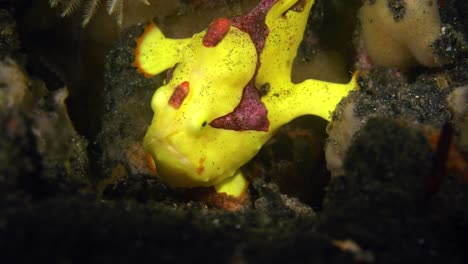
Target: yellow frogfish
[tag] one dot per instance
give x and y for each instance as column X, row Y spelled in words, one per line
column 228, row 90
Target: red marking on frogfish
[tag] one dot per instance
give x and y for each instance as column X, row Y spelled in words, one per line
column 179, row 94
column 201, row 168
column 250, row 114
column 150, row 162
column 216, row 32
column 253, row 23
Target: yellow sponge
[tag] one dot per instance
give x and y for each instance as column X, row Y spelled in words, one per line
column 398, row 33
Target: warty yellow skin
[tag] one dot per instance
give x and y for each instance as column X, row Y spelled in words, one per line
column 186, row 150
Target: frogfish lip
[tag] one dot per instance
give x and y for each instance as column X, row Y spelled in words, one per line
column 172, row 166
